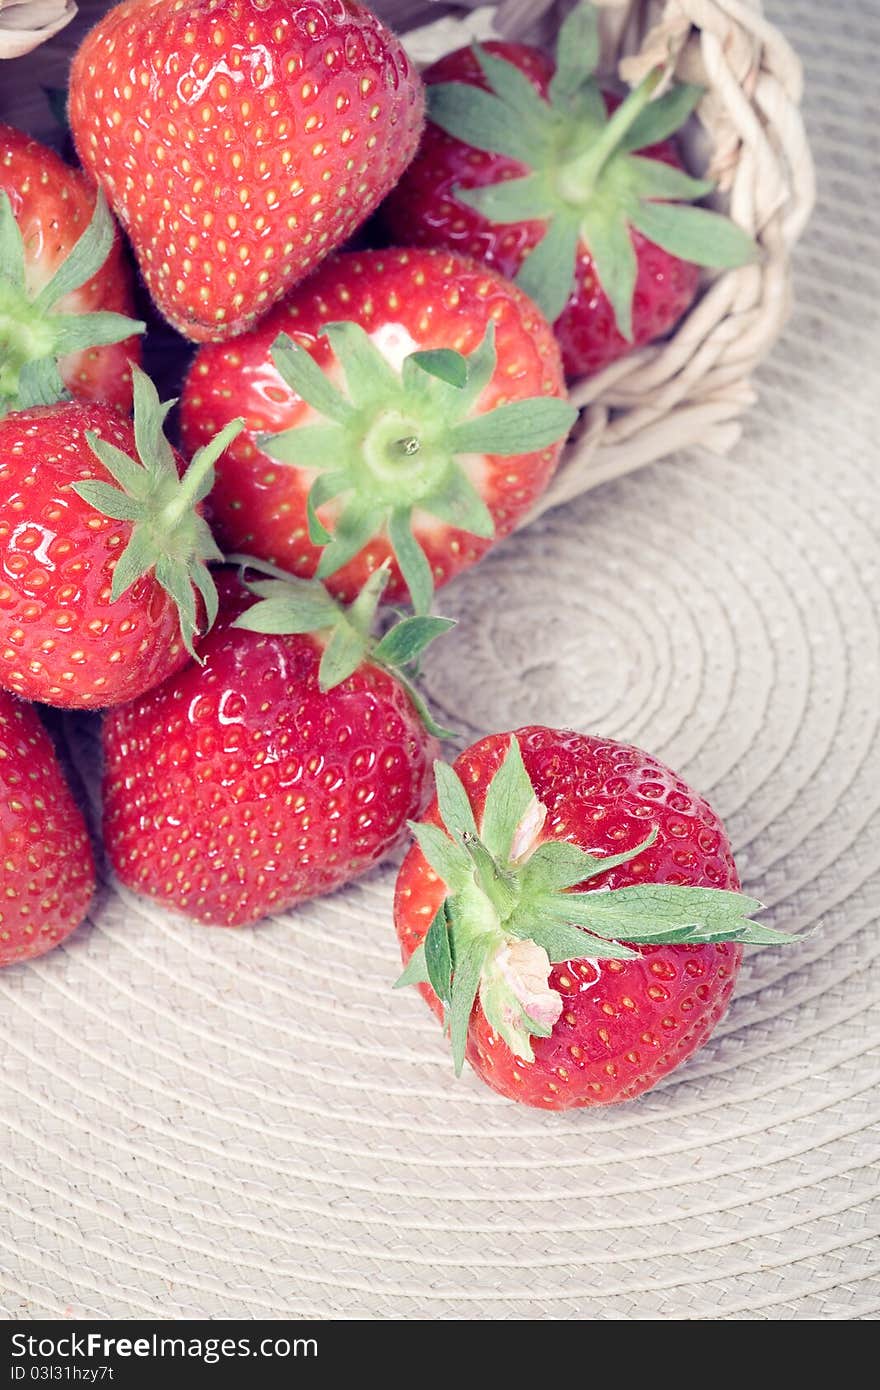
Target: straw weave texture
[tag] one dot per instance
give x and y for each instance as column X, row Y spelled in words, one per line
column 218, row 1124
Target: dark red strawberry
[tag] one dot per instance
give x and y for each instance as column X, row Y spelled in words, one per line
column 65, row 289
column 529, row 166
column 48, row 874
column 400, row 393
column 544, row 851
column 284, row 766
column 103, row 580
column 239, row 141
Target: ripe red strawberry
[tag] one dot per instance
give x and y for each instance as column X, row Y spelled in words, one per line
column 512, row 872
column 283, row 767
column 404, row 419
column 239, row 141
column 65, row 288
column 102, row 551
column 524, row 166
column 48, row 875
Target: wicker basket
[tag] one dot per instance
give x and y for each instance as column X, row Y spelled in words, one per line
column 747, row 135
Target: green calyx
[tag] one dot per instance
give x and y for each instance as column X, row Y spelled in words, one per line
column 33, row 334
column 396, row 442
column 514, row 908
column 586, row 181
column 288, row 605
column 168, row 535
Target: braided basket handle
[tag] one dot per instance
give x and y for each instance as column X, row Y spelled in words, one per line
column 25, row 24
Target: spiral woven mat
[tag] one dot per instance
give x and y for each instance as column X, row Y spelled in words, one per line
column 251, row 1124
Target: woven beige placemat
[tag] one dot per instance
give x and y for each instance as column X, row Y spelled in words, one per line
column 251, row 1124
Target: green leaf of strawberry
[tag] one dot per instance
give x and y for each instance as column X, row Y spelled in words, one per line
column 581, row 177
column 394, row 440
column 289, row 605
column 514, row 907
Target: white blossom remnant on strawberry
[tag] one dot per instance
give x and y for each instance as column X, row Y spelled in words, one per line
column 33, row 333
column 169, row 535
column 394, row 443
column 585, row 179
column 514, row 908
column 288, row 606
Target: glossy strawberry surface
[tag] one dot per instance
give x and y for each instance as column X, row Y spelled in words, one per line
column 52, row 205
column 239, row 141
column 405, row 300
column 238, row 788
column 48, row 875
column 624, row 1023
column 424, row 211
column 63, row 640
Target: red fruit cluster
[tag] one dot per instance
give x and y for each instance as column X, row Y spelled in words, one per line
column 357, row 427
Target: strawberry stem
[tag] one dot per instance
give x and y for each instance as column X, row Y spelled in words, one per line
column 577, row 179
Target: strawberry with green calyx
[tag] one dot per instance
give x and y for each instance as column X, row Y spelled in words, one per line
column 380, row 428
column 579, row 197
column 551, row 962
column 288, row 606
column 38, row 325
column 392, row 443
column 110, row 600
column 282, row 767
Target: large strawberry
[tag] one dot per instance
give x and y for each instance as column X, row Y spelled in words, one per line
column 543, row 852
column 282, row 767
column 65, row 289
column 410, row 406
column 240, row 142
column 48, row 874
column 103, row 550
column 528, row 166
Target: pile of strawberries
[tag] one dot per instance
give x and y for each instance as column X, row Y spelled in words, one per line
column 357, row 428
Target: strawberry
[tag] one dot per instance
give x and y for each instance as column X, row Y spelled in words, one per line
column 400, row 393
column 282, row 767
column 65, row 289
column 543, row 851
column 102, row 550
column 48, row 875
column 239, row 141
column 528, row 166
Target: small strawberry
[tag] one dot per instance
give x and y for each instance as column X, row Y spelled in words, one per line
column 239, row 141
column 65, row 289
column 48, row 875
column 283, row 767
column 102, row 550
column 410, row 400
column 528, row 166
column 544, row 851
